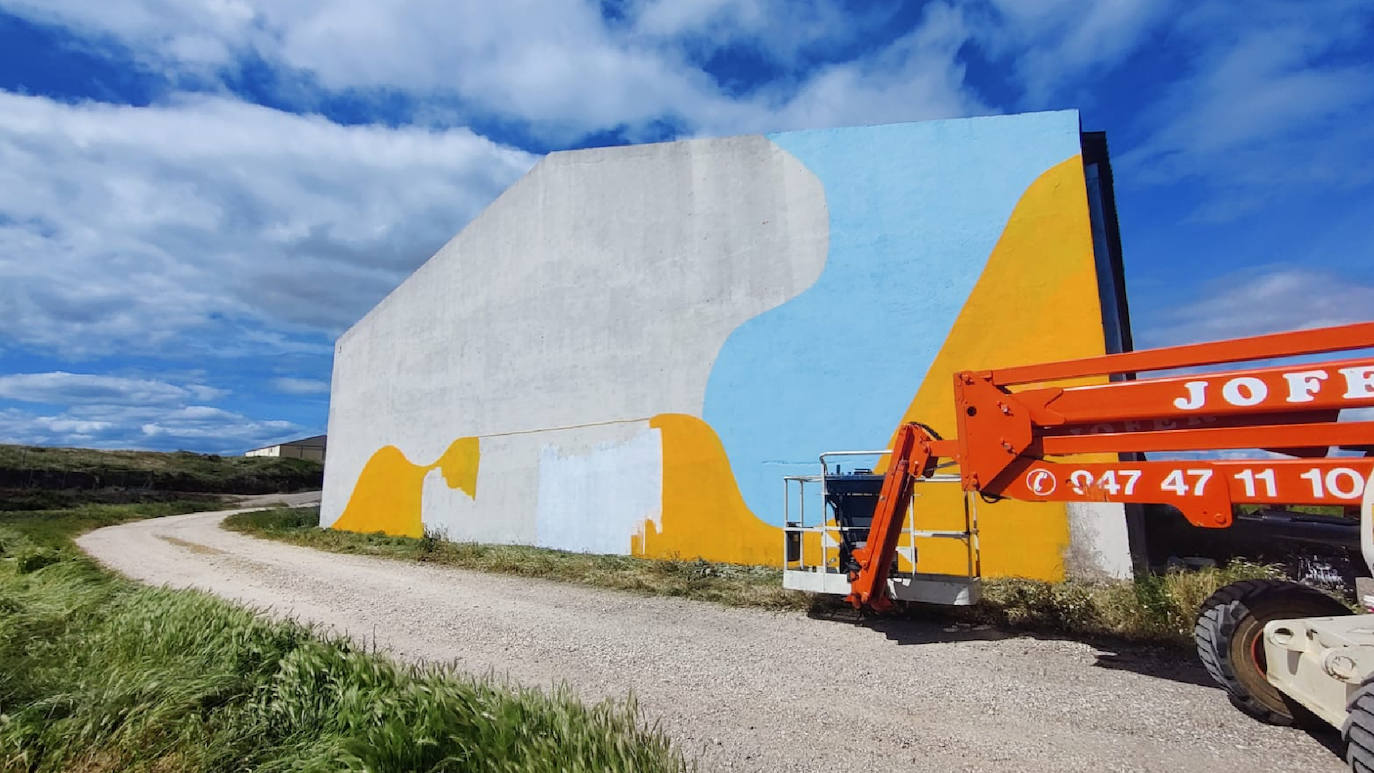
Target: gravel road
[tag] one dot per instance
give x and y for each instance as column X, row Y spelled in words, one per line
column 744, row 689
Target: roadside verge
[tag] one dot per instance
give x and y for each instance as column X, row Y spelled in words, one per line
column 100, row 673
column 1155, row 609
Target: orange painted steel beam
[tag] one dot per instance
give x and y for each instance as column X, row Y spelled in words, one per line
column 1292, row 344
column 1290, row 388
column 1204, row 490
column 910, row 460
column 1161, row 423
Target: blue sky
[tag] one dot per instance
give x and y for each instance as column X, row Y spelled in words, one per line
column 198, row 196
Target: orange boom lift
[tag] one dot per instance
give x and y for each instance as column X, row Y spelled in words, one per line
column 1014, row 443
column 1279, row 649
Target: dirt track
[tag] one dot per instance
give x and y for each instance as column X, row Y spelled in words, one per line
column 743, row 689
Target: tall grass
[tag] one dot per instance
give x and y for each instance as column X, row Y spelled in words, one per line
column 1152, row 609
column 55, row 528
column 100, row 674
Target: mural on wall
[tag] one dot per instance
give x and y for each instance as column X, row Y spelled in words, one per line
column 387, row 497
column 883, row 259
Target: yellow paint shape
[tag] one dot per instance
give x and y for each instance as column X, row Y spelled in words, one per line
column 387, row 496
column 1036, row 300
column 703, row 513
column 459, row 465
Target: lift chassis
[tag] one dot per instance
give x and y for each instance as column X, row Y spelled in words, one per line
column 1073, row 431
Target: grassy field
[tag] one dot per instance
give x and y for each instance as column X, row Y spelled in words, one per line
column 1155, row 609
column 100, row 674
column 33, row 478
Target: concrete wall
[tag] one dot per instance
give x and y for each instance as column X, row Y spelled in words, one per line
column 627, row 350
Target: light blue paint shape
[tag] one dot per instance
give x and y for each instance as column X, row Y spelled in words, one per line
column 915, row 210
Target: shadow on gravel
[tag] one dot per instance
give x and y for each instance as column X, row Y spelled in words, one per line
column 1325, row 735
column 1176, row 665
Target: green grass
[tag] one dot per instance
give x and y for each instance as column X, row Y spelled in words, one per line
column 44, row 478
column 98, row 674
column 1153, row 609
column 55, row 528
column 1336, row 511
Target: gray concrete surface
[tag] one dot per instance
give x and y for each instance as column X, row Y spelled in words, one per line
column 745, row 689
column 590, row 297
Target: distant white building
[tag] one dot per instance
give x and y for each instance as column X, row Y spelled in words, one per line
column 305, row 448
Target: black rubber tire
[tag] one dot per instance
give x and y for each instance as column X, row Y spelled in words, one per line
column 1358, row 730
column 1229, row 637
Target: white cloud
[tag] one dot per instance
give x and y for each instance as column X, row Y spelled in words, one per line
column 552, row 64
column 161, row 428
column 167, row 22
column 1249, row 103
column 674, row 18
column 204, row 425
column 130, row 228
column 1258, row 302
column 916, row 77
column 300, row 386
column 203, row 228
column 1276, row 102
column 543, row 62
column 120, row 412
column 60, row 387
column 211, row 219
column 1054, row 43
column 713, row 25
column 558, row 67
column 204, row 393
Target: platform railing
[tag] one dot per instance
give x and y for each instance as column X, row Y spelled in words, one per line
column 823, row 574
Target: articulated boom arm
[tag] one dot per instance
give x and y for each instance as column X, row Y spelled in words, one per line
column 1011, row 443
